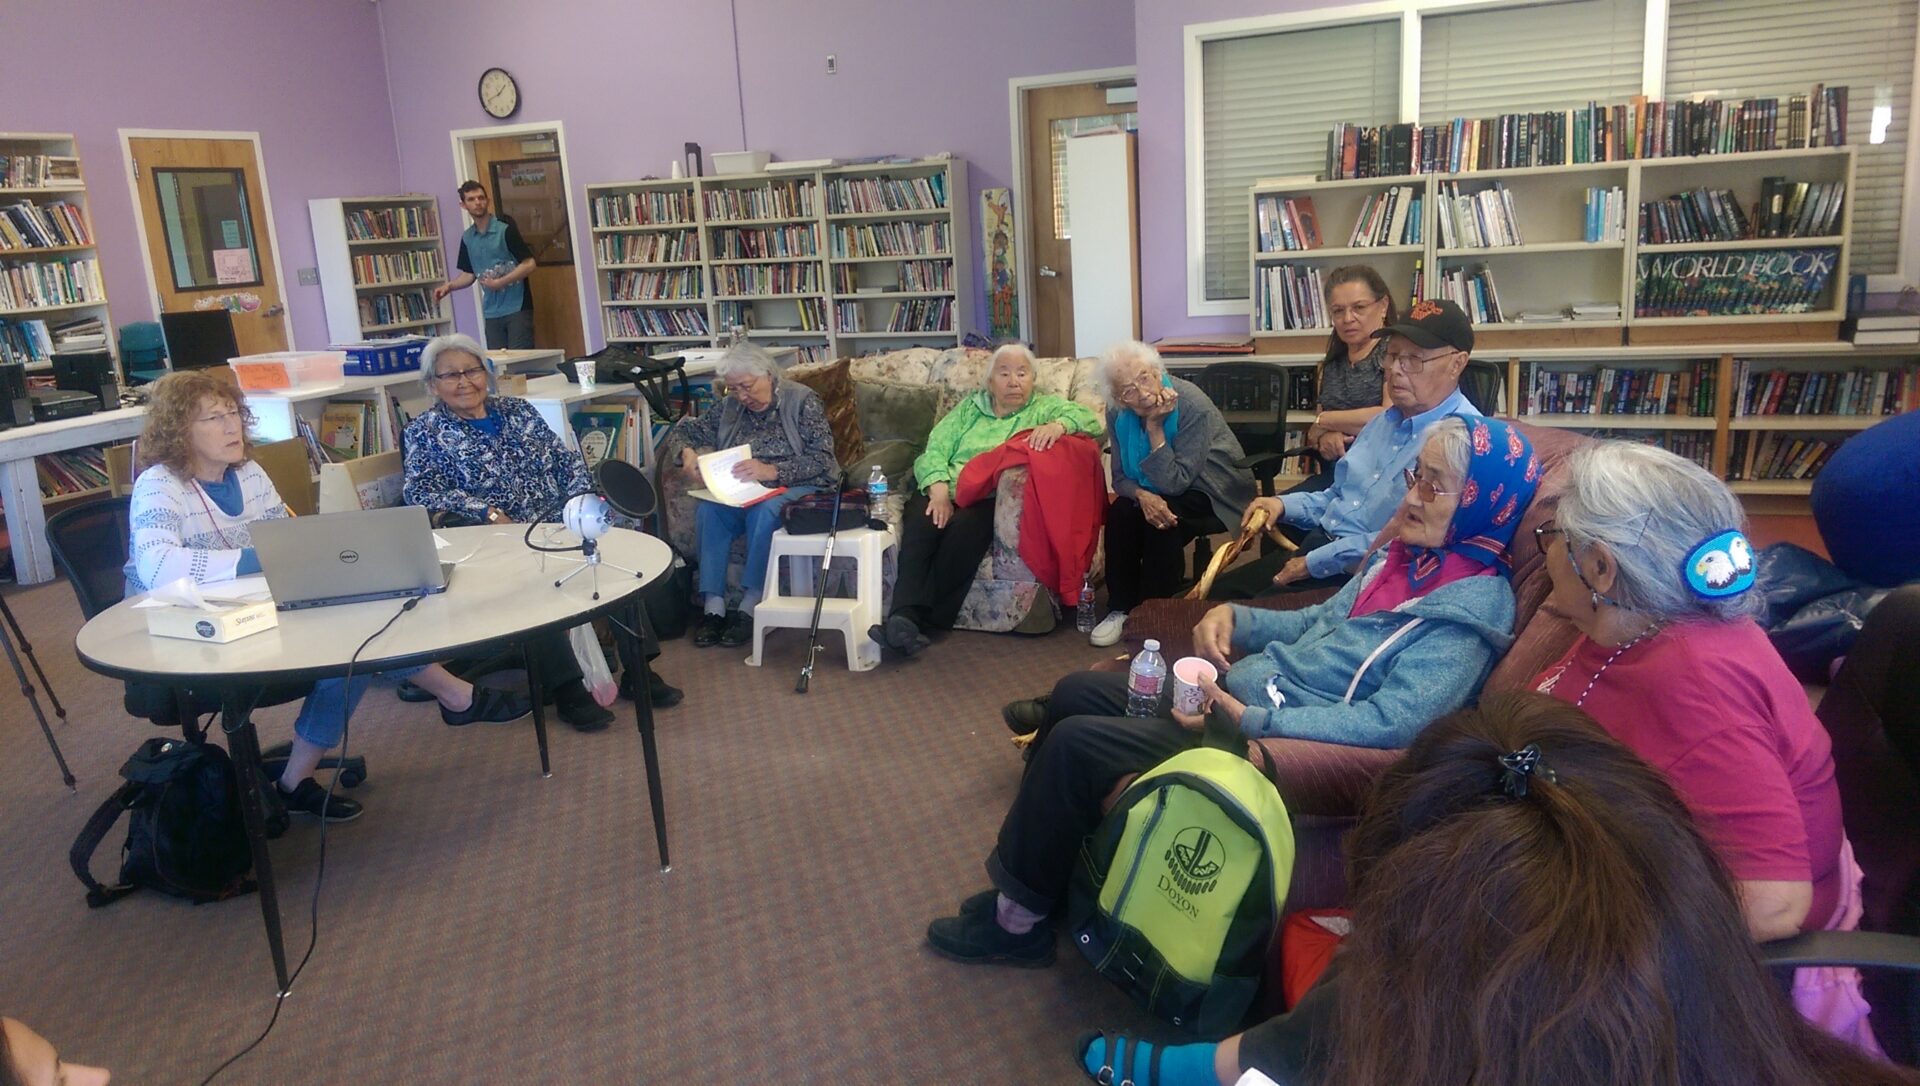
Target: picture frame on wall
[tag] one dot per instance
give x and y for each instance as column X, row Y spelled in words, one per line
column 532, row 192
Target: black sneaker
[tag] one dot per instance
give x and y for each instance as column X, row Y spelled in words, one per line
column 408, row 691
column 1025, row 716
column 491, row 704
column 977, row 939
column 662, row 694
column 578, row 708
column 706, row 633
column 901, row 634
column 737, row 631
column 310, row 799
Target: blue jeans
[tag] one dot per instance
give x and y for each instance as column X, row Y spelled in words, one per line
column 323, row 716
column 720, row 525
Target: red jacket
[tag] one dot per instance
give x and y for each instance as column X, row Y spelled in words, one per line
column 1065, row 506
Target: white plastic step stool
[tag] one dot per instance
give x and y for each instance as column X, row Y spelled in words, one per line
column 852, row 617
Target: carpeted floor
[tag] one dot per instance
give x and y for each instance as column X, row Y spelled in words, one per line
column 482, row 925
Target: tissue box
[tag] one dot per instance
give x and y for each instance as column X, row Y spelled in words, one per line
column 218, row 627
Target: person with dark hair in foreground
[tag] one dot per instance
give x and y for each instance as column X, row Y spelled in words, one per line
column 27, row 1059
column 1532, row 905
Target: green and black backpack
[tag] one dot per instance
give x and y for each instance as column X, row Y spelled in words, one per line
column 1176, row 897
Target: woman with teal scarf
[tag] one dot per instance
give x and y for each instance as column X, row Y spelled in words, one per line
column 1173, row 469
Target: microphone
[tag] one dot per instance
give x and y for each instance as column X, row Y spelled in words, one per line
column 622, row 489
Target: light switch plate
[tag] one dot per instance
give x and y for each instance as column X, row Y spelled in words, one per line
column 309, row 277
column 833, row 64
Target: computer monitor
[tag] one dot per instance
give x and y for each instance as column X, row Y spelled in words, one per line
column 199, row 339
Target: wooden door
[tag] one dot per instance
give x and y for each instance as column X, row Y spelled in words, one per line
column 556, row 291
column 1052, row 114
column 208, row 245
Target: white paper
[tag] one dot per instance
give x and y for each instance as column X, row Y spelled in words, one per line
column 212, row 597
column 716, row 470
column 440, row 544
column 180, row 593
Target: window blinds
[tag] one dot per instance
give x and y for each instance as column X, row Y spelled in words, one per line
column 1530, row 59
column 1766, row 48
column 1268, row 103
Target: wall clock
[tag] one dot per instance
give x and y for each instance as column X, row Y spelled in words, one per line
column 499, row 94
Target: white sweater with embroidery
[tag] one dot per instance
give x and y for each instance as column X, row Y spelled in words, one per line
column 178, row 531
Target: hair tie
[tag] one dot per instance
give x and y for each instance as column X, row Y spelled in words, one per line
column 1720, row 566
column 1518, row 766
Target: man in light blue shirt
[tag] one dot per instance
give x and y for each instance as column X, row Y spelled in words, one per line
column 1426, row 355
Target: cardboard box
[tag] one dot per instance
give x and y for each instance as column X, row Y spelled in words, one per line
column 512, row 384
column 216, row 627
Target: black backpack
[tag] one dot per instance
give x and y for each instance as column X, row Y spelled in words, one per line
column 184, row 833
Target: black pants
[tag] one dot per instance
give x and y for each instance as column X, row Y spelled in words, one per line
column 1253, row 579
column 1144, row 562
column 937, row 564
column 1295, row 1047
column 1090, row 746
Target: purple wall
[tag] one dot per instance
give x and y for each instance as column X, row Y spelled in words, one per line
column 1159, row 31
column 305, row 74
column 634, row 80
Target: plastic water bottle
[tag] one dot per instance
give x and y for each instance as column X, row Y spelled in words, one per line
column 1083, row 617
column 877, row 496
column 1145, row 677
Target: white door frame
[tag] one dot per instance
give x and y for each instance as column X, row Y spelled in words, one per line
column 128, row 135
column 464, row 168
column 1023, row 211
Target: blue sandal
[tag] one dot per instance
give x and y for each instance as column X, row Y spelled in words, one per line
column 1120, row 1060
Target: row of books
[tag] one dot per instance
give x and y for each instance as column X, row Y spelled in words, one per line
column 920, row 315
column 923, row 275
column 27, row 225
column 79, row 334
column 1859, row 391
column 38, row 171
column 607, row 431
column 1695, row 445
column 1473, row 290
column 1240, row 391
column 643, row 208
column 1606, row 214
column 908, row 275
column 1798, row 209
column 1392, row 217
column 748, row 243
column 635, row 323
column 408, row 265
column 1771, row 454
column 350, row 429
column 318, row 455
column 1477, row 220
column 676, row 284
column 846, row 195
column 1882, row 327
column 25, row 341
column 1700, row 214
column 772, row 200
column 398, row 307
column 652, row 247
column 812, row 316
column 1750, row 281
column 412, row 222
column 74, row 471
column 1288, row 297
column 37, row 283
column 766, row 279
column 1613, row 391
column 1638, row 128
column 1286, row 223
column 891, row 239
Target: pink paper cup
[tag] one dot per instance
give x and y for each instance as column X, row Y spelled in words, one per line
column 1188, row 673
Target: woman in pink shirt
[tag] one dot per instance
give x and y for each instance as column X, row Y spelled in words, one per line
column 1648, row 560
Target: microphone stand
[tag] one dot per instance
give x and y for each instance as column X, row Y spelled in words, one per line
column 589, row 549
column 820, row 586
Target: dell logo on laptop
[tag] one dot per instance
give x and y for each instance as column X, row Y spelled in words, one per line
column 349, row 557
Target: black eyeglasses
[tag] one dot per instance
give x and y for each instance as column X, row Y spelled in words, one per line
column 1545, row 529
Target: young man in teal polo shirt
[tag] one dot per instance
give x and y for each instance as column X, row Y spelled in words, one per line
column 493, row 253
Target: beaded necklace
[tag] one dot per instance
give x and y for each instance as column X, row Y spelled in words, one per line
column 1652, row 628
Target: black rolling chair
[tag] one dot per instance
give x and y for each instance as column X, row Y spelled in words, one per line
column 90, row 544
column 1261, row 438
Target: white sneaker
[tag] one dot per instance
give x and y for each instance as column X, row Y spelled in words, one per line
column 1108, row 632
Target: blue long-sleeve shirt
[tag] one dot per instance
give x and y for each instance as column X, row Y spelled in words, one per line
column 1367, row 486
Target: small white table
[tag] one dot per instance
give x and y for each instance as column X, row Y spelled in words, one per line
column 867, row 547
column 500, row 593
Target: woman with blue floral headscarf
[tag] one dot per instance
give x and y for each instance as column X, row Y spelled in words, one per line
column 1409, row 639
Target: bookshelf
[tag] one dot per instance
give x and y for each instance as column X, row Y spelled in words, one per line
column 50, row 276
column 836, row 261
column 1555, row 264
column 380, row 258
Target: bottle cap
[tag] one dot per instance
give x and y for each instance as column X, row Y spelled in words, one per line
column 1151, row 645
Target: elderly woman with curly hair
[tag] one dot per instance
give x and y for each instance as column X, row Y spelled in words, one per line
column 190, row 516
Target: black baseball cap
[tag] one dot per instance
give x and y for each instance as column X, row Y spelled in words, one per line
column 1433, row 323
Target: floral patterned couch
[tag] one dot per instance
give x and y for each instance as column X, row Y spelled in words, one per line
column 1005, row 596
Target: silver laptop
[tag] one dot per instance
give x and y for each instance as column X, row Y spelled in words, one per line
column 373, row 554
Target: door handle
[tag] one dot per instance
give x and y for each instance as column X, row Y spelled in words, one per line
column 273, row 310
column 1048, row 273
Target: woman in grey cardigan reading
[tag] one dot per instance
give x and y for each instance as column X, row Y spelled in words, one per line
column 1173, row 465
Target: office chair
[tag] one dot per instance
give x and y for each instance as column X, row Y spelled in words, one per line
column 90, row 544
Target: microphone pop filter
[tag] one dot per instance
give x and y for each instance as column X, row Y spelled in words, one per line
column 625, row 486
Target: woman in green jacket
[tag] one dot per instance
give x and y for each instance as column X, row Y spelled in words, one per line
column 941, row 544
